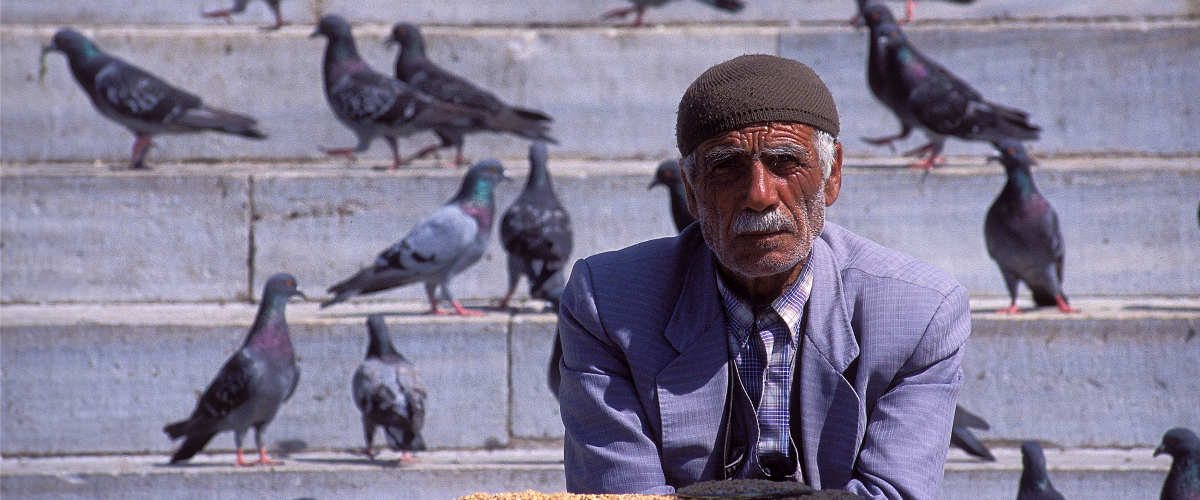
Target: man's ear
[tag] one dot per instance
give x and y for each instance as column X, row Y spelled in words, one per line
column 833, row 184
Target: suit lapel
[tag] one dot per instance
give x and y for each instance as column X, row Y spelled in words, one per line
column 692, row 388
column 832, row 415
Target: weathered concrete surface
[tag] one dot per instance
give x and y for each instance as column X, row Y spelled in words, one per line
column 105, row 379
column 613, row 92
column 1117, row 378
column 80, row 234
column 169, row 12
column 104, row 238
column 1077, row 473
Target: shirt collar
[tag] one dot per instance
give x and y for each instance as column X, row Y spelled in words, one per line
column 789, row 305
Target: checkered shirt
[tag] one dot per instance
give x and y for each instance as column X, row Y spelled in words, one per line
column 765, row 361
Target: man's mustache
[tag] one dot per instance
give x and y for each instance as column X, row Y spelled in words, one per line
column 764, row 222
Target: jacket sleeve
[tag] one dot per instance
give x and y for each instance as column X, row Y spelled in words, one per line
column 609, row 442
column 903, row 453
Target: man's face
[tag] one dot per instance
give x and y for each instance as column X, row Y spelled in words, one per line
column 760, row 197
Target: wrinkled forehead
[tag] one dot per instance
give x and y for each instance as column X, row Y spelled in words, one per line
column 761, row 138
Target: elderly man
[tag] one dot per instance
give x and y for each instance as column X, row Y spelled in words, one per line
column 763, row 341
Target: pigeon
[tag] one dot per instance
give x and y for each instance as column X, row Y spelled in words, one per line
column 961, row 436
column 927, row 96
column 536, row 233
column 443, row 245
column 239, row 6
column 1183, row 480
column 415, row 69
column 1035, row 482
column 252, row 385
column 639, row 8
column 390, row 394
column 1022, row 235
column 376, row 105
column 668, row 175
column 142, row 102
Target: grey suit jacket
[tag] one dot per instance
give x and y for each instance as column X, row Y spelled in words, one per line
column 645, row 369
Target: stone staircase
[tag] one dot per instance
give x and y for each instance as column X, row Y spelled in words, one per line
column 108, row 277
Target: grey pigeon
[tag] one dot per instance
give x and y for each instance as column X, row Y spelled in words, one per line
column 389, row 393
column 449, row 241
column 252, row 385
column 1035, row 481
column 1183, row 480
column 414, row 68
column 536, row 233
column 1022, row 235
column 142, row 102
column 376, row 105
column 962, row 437
column 927, row 96
column 668, row 174
column 239, row 6
column 639, row 8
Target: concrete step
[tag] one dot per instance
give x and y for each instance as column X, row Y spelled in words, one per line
column 75, row 233
column 1077, row 473
column 466, row 13
column 104, row 379
column 612, row 91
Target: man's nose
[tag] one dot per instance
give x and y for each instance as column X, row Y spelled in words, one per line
column 762, row 194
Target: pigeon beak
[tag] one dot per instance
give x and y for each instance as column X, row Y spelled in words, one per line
column 653, row 183
column 316, row 32
column 301, row 294
column 1160, row 450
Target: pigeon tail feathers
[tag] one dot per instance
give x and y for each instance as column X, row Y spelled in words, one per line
column 191, row 446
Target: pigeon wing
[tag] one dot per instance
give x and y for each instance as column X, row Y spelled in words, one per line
column 133, row 93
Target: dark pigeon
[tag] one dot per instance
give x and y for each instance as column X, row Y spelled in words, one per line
column 443, row 245
column 1022, row 235
column 668, row 175
column 239, row 6
column 390, row 394
column 1183, row 480
column 376, row 105
column 536, row 233
column 639, row 8
column 414, row 68
column 927, row 96
column 252, row 385
column 962, row 437
column 1035, row 481
column 142, row 102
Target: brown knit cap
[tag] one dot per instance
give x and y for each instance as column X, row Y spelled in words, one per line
column 752, row 89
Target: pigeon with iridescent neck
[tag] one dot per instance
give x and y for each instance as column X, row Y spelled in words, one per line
column 252, row 385
column 1035, row 481
column 414, row 68
column 536, row 233
column 376, row 105
column 1022, row 234
column 453, row 238
column 1183, row 480
column 143, row 103
column 926, row 96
